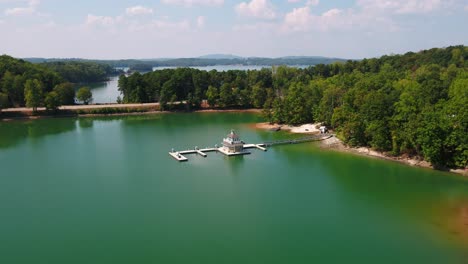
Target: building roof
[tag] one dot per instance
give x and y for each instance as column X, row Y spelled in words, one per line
column 233, row 135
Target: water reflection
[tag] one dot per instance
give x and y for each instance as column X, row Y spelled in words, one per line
column 13, row 133
column 85, row 122
column 235, row 164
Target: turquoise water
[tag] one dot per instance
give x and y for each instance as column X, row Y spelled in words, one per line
column 105, row 190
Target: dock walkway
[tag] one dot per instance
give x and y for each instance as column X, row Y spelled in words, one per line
column 298, row 140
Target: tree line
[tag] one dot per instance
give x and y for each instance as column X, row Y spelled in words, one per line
column 81, row 71
column 35, row 85
column 410, row 104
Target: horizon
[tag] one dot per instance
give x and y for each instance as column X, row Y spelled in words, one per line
column 147, row 29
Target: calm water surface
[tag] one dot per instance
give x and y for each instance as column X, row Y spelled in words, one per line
column 105, row 190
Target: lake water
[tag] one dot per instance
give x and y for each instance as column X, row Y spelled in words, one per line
column 107, row 92
column 105, row 190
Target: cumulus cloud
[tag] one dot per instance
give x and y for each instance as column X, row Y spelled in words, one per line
column 93, row 20
column 190, row 3
column 138, row 10
column 256, row 8
column 28, row 10
column 301, row 19
column 298, row 19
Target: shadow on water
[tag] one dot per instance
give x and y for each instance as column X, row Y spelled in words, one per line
column 15, row 132
column 235, row 163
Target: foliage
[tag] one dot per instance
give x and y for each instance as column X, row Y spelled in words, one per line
column 84, row 95
column 52, row 101
column 81, row 71
column 66, row 93
column 15, row 73
column 3, row 101
column 33, row 94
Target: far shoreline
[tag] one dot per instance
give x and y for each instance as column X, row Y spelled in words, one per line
column 101, row 110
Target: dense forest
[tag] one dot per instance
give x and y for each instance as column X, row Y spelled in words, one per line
column 50, row 85
column 414, row 104
column 81, row 71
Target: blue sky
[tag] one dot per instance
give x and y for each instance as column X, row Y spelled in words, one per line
column 115, row 29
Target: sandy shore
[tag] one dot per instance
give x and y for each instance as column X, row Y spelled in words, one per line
column 303, row 129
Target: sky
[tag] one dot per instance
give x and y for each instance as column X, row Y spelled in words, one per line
column 122, row 29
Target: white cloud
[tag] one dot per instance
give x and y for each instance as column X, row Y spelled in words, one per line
column 138, row 10
column 332, row 13
column 190, row 3
column 107, row 21
column 28, row 10
column 308, row 2
column 256, row 8
column 301, row 19
column 466, row 8
column 298, row 19
column 402, row 6
column 201, row 20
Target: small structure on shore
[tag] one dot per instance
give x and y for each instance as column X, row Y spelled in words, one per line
column 323, row 130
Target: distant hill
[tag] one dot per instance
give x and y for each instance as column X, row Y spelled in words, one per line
column 220, row 56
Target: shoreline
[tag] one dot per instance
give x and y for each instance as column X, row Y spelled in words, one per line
column 100, row 110
column 335, row 144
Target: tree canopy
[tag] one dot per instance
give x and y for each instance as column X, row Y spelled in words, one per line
column 84, row 95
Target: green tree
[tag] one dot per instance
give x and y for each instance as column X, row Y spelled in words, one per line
column 456, row 111
column 84, row 95
column 299, row 102
column 3, row 101
column 259, row 95
column 168, row 95
column 52, row 101
column 226, row 96
column 33, row 94
column 66, row 93
column 212, row 95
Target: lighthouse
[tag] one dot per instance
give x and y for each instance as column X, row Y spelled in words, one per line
column 232, row 144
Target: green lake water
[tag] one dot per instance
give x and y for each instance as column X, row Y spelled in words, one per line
column 105, row 190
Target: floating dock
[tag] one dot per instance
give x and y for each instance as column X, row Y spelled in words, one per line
column 242, row 150
column 179, row 155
